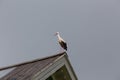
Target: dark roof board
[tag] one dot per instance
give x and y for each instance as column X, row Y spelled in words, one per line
column 26, row 70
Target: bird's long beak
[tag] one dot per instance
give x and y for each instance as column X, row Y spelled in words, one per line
column 55, row 34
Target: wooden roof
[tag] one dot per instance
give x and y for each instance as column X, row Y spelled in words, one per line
column 25, row 71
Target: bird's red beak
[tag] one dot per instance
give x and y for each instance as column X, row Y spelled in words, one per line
column 55, row 34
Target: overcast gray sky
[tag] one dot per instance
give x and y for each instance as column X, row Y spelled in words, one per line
column 90, row 27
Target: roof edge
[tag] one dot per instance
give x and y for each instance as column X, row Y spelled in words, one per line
column 66, row 57
column 32, row 61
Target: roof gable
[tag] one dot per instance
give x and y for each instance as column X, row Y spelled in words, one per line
column 26, row 70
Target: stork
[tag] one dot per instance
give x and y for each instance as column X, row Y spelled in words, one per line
column 62, row 43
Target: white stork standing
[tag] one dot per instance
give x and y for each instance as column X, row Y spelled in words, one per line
column 62, row 43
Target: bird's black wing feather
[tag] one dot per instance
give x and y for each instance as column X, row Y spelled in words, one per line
column 63, row 45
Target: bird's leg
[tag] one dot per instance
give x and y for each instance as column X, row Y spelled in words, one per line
column 61, row 50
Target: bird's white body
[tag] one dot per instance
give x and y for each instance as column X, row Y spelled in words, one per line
column 62, row 42
column 59, row 38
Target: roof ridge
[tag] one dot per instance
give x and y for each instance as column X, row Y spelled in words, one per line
column 32, row 61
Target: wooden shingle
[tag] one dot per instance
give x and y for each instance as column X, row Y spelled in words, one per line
column 26, row 70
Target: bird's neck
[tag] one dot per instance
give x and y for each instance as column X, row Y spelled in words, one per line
column 58, row 36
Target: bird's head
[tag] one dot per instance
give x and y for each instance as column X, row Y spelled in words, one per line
column 57, row 33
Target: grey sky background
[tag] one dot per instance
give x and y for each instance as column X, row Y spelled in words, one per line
column 90, row 27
